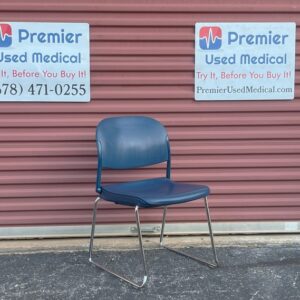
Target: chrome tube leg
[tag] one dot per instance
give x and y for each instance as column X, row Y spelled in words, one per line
column 140, row 242
column 163, row 226
column 210, row 231
column 137, row 217
column 209, row 264
column 93, row 228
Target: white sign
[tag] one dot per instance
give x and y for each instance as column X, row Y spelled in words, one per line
column 244, row 61
column 44, row 62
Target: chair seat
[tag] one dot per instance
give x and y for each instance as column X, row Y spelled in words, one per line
column 153, row 192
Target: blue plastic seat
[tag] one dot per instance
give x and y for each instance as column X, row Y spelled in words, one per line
column 153, row 192
column 132, row 142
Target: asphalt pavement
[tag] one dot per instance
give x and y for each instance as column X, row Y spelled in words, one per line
column 252, row 272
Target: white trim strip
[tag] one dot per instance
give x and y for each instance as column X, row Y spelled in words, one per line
column 148, row 229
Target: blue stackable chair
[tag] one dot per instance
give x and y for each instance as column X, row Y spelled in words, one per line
column 135, row 141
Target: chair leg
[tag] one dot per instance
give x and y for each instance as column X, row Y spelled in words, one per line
column 211, row 265
column 211, row 232
column 140, row 243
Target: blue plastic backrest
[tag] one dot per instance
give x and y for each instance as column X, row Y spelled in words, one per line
column 130, row 142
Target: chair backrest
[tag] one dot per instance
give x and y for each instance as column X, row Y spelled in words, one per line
column 130, row 142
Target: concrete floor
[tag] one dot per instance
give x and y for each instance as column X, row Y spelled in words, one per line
column 259, row 270
column 150, row 242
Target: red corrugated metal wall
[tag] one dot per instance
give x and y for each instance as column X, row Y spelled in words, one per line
column 142, row 62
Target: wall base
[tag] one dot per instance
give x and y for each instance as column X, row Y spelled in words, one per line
column 149, row 229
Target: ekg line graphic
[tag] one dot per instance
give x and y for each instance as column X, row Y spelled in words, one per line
column 210, row 38
column 4, row 33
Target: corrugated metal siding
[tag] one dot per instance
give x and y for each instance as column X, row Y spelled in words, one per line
column 142, row 62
